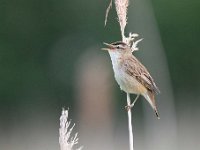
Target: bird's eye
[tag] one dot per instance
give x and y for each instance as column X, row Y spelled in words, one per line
column 118, row 47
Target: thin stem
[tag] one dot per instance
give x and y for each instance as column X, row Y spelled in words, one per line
column 130, row 123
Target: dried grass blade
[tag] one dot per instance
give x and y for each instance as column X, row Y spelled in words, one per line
column 107, row 11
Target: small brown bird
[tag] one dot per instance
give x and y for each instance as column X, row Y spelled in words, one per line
column 131, row 75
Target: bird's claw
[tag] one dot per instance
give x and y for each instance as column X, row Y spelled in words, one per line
column 128, row 107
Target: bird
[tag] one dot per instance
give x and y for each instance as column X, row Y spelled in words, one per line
column 131, row 75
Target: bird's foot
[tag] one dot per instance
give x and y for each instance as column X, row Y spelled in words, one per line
column 128, row 107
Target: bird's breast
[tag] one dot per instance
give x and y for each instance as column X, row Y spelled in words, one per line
column 126, row 82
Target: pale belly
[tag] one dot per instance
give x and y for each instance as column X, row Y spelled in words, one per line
column 127, row 83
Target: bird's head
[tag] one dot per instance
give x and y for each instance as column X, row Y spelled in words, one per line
column 117, row 47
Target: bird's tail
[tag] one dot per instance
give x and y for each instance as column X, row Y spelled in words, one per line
column 149, row 96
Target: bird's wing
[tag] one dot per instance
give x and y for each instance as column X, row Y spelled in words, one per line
column 135, row 69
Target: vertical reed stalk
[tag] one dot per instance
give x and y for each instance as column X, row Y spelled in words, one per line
column 130, row 123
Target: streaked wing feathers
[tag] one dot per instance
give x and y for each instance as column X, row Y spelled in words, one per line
column 135, row 69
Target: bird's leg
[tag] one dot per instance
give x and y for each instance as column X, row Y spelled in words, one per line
column 132, row 104
column 134, row 101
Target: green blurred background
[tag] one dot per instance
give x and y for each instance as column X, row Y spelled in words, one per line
column 41, row 42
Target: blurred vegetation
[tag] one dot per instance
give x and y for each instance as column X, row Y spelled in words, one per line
column 36, row 77
column 180, row 28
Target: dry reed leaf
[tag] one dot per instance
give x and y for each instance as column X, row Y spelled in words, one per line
column 107, row 11
column 122, row 8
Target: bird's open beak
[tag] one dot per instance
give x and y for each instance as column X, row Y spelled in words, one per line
column 109, row 47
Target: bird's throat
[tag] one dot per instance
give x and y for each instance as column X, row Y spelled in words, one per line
column 115, row 58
